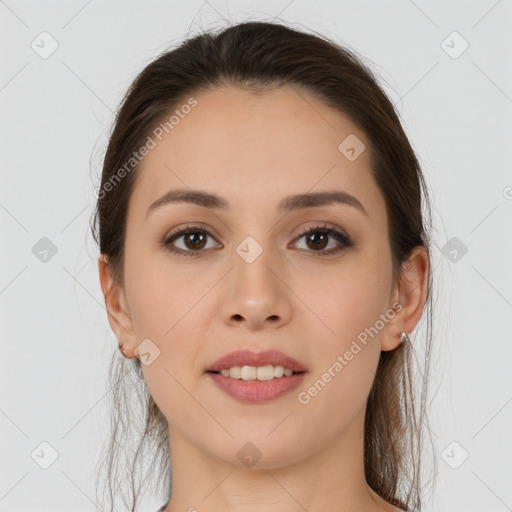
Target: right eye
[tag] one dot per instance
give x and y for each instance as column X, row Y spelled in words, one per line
column 193, row 238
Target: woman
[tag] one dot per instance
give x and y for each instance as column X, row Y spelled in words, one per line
column 264, row 257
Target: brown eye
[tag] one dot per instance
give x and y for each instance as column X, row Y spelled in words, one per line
column 319, row 237
column 194, row 241
column 317, row 240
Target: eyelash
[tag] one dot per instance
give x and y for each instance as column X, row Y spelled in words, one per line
column 341, row 237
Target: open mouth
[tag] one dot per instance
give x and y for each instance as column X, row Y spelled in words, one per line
column 263, row 373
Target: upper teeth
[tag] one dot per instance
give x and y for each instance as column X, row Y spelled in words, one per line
column 256, row 372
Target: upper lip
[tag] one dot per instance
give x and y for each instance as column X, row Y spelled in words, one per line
column 250, row 358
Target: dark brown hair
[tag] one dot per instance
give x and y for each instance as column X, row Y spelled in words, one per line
column 259, row 56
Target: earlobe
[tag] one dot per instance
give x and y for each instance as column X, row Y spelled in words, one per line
column 410, row 293
column 117, row 308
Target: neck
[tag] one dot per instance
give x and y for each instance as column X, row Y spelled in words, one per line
column 331, row 478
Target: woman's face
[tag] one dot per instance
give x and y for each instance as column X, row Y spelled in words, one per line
column 257, row 282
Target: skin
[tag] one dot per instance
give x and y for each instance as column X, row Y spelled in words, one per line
column 253, row 151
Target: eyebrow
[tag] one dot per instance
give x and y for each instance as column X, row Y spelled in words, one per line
column 288, row 204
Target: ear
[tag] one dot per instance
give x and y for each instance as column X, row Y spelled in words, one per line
column 408, row 296
column 118, row 312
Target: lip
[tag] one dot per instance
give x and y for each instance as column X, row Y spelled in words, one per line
column 250, row 358
column 255, row 391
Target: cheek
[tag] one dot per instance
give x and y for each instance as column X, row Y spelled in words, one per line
column 164, row 307
column 346, row 361
column 153, row 307
column 346, row 302
column 160, row 293
column 351, row 303
column 161, row 315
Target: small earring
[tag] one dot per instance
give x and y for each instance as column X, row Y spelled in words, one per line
column 122, row 348
column 404, row 338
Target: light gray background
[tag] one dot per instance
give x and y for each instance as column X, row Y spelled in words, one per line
column 56, row 114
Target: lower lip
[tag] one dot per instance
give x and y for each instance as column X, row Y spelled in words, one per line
column 257, row 391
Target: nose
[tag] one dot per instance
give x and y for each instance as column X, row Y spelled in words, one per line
column 255, row 294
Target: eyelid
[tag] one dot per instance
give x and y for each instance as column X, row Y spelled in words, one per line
column 193, row 226
column 332, row 231
column 321, row 226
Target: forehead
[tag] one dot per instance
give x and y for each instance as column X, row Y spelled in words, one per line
column 257, row 148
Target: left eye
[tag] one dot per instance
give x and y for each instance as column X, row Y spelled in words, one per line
column 317, row 236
